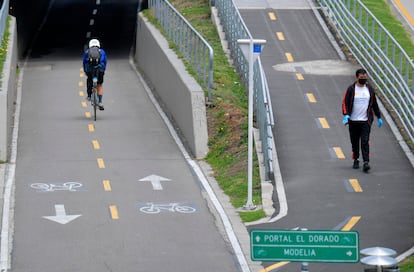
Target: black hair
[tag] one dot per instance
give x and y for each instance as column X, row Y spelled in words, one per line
column 360, row 71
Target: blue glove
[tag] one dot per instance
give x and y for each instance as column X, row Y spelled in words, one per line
column 346, row 119
column 379, row 122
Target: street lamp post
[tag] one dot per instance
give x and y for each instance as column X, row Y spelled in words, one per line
column 251, row 49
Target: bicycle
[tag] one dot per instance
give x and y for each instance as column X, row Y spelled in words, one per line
column 94, row 96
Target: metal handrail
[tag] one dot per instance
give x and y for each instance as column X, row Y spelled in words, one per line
column 195, row 49
column 4, row 12
column 235, row 29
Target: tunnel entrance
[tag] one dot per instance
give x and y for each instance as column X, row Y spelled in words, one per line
column 64, row 27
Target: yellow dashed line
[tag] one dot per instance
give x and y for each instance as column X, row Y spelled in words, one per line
column 323, row 122
column 404, row 12
column 95, row 144
column 280, row 36
column 80, row 84
column 289, row 57
column 299, row 76
column 84, row 104
column 272, row 16
column 107, row 185
column 339, row 153
column 351, row 223
column 311, row 97
column 88, row 114
column 355, row 185
column 81, row 93
column 81, row 75
column 91, row 128
column 101, row 163
column 114, row 212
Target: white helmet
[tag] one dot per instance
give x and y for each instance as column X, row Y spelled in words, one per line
column 94, row 42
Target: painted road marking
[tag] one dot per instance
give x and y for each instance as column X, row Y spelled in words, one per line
column 323, row 123
column 311, row 98
column 114, row 212
column 81, row 93
column 81, row 75
column 289, row 57
column 107, row 185
column 155, row 181
column 101, row 163
column 356, row 187
column 91, row 128
column 351, row 223
column 84, row 104
column 404, row 12
column 299, row 76
column 96, row 145
column 280, row 36
column 88, row 114
column 153, row 208
column 80, row 84
column 338, row 152
column 92, row 22
column 70, row 186
column 61, row 216
column 272, row 16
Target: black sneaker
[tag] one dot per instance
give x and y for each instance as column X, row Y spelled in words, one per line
column 366, row 167
column 356, row 164
column 101, row 107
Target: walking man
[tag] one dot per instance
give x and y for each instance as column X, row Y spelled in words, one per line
column 359, row 105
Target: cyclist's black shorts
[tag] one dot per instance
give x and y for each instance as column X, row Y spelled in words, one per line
column 100, row 75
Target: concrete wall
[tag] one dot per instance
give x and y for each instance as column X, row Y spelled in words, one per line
column 178, row 92
column 8, row 92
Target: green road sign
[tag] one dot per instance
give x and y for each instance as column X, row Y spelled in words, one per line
column 304, row 246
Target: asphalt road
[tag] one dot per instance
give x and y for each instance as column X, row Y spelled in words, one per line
column 307, row 78
column 117, row 194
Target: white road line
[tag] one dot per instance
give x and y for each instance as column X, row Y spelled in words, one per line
column 6, row 240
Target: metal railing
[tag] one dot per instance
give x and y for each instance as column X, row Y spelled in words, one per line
column 194, row 48
column 189, row 42
column 4, row 12
column 375, row 49
column 234, row 29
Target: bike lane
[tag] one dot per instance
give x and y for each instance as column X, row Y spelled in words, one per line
column 307, row 79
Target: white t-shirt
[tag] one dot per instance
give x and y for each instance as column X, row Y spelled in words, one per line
column 361, row 101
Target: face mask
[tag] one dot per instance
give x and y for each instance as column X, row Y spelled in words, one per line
column 362, row 81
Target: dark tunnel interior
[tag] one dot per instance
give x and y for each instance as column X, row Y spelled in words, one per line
column 62, row 28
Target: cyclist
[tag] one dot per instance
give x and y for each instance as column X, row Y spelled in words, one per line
column 94, row 61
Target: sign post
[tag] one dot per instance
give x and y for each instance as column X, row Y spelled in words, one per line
column 304, row 246
column 251, row 49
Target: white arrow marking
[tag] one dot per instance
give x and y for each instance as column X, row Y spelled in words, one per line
column 155, row 181
column 61, row 216
column 349, row 253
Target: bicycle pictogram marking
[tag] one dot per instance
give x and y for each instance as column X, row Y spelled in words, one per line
column 154, row 208
column 52, row 187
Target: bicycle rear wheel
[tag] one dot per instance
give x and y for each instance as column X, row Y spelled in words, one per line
column 94, row 102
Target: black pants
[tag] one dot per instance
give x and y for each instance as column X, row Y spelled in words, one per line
column 359, row 133
column 89, row 82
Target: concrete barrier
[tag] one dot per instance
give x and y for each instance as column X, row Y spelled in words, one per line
column 177, row 91
column 8, row 92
